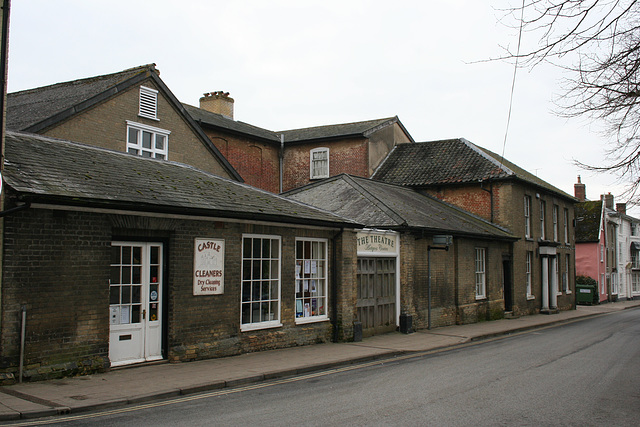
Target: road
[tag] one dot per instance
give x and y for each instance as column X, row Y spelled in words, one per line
column 585, row 373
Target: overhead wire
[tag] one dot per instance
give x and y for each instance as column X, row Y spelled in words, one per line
column 513, row 84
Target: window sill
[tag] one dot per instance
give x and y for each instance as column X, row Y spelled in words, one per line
column 483, row 298
column 155, row 119
column 256, row 326
column 567, row 292
column 531, row 297
column 313, row 319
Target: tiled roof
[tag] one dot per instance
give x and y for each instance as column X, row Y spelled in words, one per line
column 451, row 161
column 588, row 217
column 217, row 120
column 381, row 205
column 29, row 107
column 48, row 170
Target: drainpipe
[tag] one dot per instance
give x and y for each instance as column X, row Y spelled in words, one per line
column 334, row 286
column 490, row 191
column 23, row 325
column 281, row 159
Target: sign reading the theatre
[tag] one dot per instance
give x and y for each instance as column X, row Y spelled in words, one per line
column 372, row 242
column 208, row 267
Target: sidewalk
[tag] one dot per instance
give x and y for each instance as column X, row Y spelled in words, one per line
column 159, row 381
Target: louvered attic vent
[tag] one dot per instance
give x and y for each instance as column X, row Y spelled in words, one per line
column 148, row 103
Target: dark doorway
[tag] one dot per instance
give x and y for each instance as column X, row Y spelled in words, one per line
column 507, row 284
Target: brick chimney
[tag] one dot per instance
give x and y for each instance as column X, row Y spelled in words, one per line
column 621, row 208
column 218, row 102
column 580, row 191
column 608, row 201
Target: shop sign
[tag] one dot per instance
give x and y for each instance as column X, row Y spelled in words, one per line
column 208, row 267
column 377, row 242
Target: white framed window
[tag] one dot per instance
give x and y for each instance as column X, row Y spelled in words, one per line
column 527, row 216
column 555, row 223
column 481, row 288
column 148, row 103
column 260, row 294
column 319, row 163
column 311, row 280
column 566, row 226
column 614, row 283
column 635, row 281
column 635, row 259
column 528, row 266
column 543, row 208
column 147, row 141
column 601, row 253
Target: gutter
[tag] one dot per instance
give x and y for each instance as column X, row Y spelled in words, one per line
column 23, row 207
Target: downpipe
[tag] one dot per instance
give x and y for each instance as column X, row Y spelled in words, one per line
column 23, row 328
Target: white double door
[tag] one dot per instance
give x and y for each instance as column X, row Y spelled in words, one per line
column 135, row 303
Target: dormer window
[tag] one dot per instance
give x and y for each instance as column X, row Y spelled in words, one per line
column 148, row 103
column 319, row 163
column 147, row 141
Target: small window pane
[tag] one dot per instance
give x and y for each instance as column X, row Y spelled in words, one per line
column 146, row 139
column 135, row 313
column 126, row 275
column 133, row 136
column 160, row 142
column 115, row 275
column 114, row 295
column 135, row 294
column 126, row 294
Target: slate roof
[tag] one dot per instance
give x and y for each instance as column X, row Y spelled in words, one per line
column 218, row 120
column 316, row 133
column 38, row 109
column 356, row 129
column 27, row 108
column 53, row 171
column 451, row 161
column 380, row 205
column 588, row 217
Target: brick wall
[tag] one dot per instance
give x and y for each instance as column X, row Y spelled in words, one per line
column 57, row 265
column 345, row 156
column 453, row 299
column 257, row 163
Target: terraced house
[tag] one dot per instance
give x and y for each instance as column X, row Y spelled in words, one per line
column 539, row 275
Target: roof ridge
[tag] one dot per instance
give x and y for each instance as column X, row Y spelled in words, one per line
column 141, row 68
column 339, row 124
column 375, row 200
column 482, row 153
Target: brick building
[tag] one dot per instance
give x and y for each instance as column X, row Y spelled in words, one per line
column 283, row 160
column 131, row 111
column 400, row 247
column 112, row 259
column 540, row 274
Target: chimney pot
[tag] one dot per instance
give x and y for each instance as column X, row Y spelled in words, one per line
column 218, row 102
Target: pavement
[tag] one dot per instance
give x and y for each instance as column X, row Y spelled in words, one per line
column 153, row 382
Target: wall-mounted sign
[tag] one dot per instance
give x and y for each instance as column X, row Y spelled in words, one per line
column 377, row 242
column 208, row 267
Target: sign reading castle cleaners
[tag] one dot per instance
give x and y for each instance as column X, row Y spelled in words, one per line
column 208, row 267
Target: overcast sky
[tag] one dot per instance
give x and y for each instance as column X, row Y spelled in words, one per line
column 291, row 64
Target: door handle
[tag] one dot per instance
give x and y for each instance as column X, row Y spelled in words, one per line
column 144, row 314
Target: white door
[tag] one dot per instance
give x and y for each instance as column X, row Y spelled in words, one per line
column 135, row 297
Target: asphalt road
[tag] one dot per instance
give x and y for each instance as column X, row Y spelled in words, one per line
column 585, row 373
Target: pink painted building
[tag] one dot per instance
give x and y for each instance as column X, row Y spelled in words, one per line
column 596, row 255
